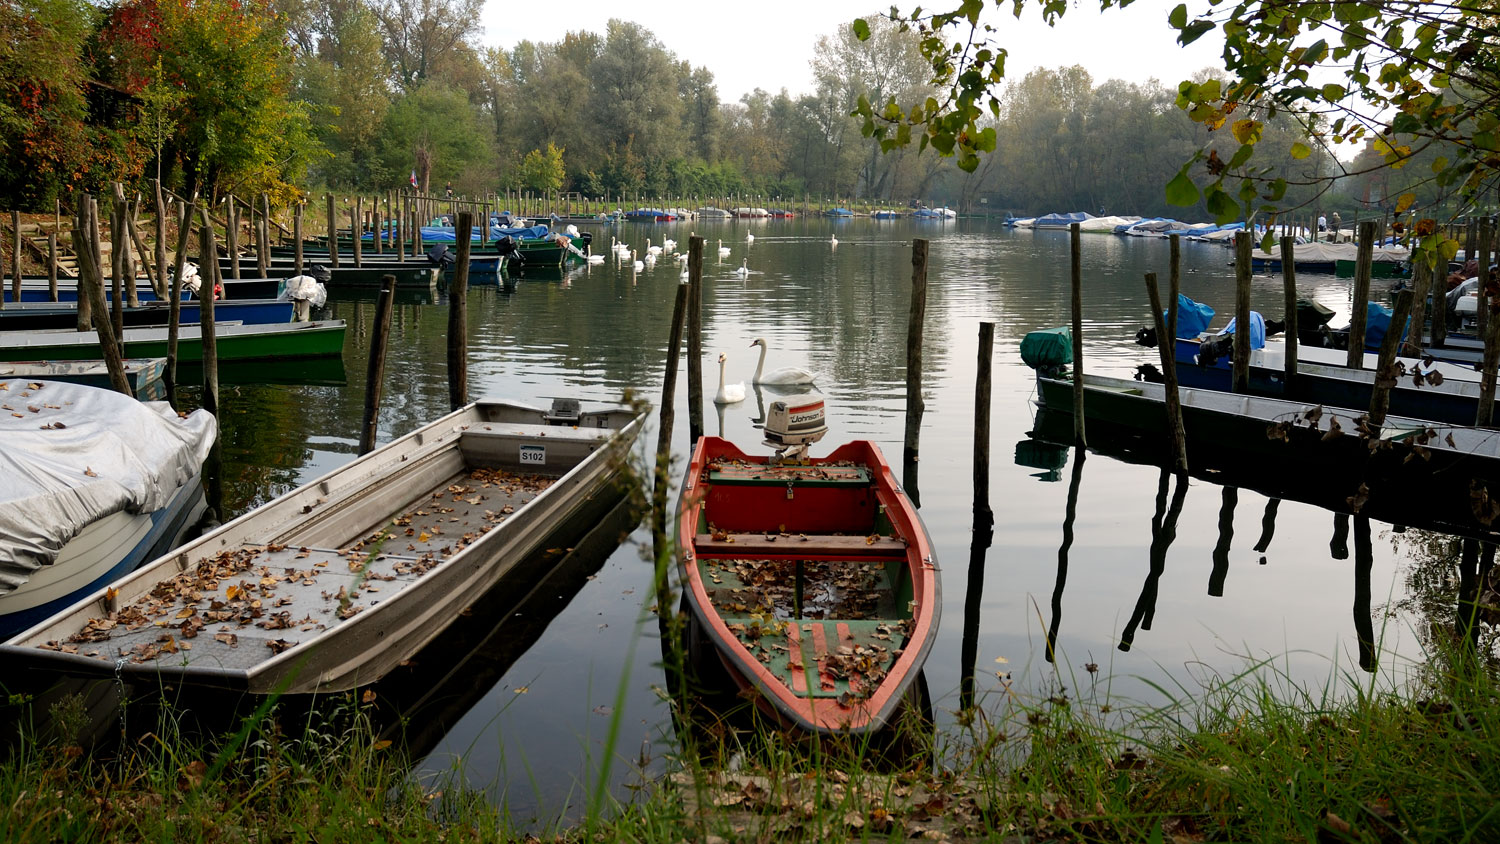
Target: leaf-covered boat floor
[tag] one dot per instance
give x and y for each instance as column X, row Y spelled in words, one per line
column 244, row 605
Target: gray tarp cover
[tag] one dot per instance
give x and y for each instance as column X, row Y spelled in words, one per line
column 71, row 454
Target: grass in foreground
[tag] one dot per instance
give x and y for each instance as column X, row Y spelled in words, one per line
column 1254, row 759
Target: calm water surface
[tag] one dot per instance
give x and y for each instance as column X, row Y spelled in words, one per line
column 529, row 725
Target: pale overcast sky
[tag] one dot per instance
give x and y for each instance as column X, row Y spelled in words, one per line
column 769, row 43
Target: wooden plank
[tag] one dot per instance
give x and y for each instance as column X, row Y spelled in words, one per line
column 757, row 546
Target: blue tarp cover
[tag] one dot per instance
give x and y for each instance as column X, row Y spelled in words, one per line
column 1377, row 323
column 446, row 234
column 1193, row 318
column 1257, row 330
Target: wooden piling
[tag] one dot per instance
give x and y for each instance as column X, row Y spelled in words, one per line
column 15, row 257
column 1490, row 334
column 375, row 376
column 1289, row 291
column 1385, row 366
column 916, row 319
column 174, row 292
column 297, row 235
column 132, row 293
column 80, row 218
column 91, row 285
column 1421, row 282
column 1166, row 331
column 232, row 235
column 458, row 325
column 1242, row 312
column 695, row 339
column 117, row 281
column 1486, row 241
column 206, row 327
column 52, row 266
column 357, row 235
column 159, row 209
column 664, row 435
column 984, row 515
column 1356, row 356
column 263, row 238
column 333, row 235
column 1076, row 274
column 375, row 226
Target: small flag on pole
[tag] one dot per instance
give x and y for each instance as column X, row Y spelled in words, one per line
column 413, row 178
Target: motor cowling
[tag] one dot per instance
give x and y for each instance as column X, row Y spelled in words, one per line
column 796, row 422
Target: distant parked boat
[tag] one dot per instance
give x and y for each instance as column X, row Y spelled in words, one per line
column 711, row 213
column 650, row 215
column 838, row 212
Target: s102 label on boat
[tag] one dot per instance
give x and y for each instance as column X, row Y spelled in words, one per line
column 533, row 455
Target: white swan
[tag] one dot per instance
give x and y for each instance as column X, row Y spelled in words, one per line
column 749, row 238
column 833, row 240
column 723, row 250
column 784, row 375
column 595, row 259
column 728, row 393
column 653, row 251
column 682, row 258
column 669, row 244
column 635, row 264
column 744, row 269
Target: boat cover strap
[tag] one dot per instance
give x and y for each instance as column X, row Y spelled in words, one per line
column 74, row 454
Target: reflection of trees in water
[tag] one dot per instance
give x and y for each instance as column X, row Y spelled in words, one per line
column 1452, row 592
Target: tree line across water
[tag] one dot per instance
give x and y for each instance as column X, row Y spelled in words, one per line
column 262, row 96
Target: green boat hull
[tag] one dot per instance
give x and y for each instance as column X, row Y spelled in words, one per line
column 1378, row 269
column 293, row 341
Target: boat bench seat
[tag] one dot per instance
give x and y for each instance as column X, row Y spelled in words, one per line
column 799, row 546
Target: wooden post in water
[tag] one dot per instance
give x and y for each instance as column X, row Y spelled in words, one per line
column 695, row 339
column 357, row 235
column 91, row 285
column 1289, row 291
column 1076, row 279
column 174, row 305
column 1242, row 312
column 398, row 220
column 916, row 319
column 1356, row 356
column 333, row 235
column 1166, row 332
column 375, row 225
column 117, row 281
column 1486, row 237
column 158, row 205
column 263, row 238
column 664, row 436
column 51, row 266
column 297, row 236
column 15, row 258
column 984, row 515
column 376, row 374
column 458, row 324
column 232, row 234
column 206, row 326
column 81, row 246
column 1385, row 365
column 1421, row 282
column 1490, row 334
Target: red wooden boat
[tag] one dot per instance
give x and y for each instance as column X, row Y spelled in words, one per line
column 813, row 578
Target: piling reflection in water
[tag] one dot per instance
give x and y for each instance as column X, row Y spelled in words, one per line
column 1364, row 626
column 1267, row 528
column 1069, row 515
column 1163, row 532
column 1226, row 538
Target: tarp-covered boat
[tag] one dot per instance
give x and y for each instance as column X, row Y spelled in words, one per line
column 92, row 484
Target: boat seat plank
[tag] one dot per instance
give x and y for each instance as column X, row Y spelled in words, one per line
column 455, row 513
column 855, row 592
column 822, row 659
column 799, row 546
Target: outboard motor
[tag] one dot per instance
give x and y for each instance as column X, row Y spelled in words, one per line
column 320, row 272
column 1148, row 373
column 794, row 423
column 1146, row 337
column 439, row 256
column 506, row 248
column 1273, row 327
column 1211, row 350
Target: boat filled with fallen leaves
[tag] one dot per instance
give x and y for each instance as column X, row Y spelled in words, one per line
column 813, row 578
column 333, row 584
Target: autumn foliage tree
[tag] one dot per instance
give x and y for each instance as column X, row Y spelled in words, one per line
column 44, row 137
